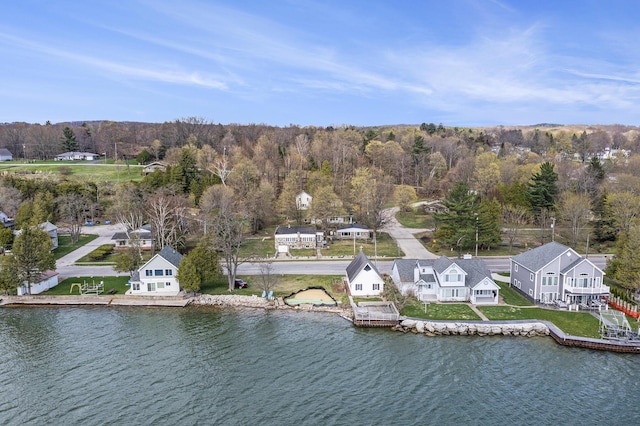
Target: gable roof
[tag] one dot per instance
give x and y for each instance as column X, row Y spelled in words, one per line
column 48, row 226
column 405, row 268
column 353, row 226
column 577, row 262
column 170, row 255
column 476, row 270
column 358, row 263
column 5, row 151
column 540, row 256
column 286, row 230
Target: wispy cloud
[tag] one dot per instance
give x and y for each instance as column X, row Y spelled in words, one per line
column 166, row 75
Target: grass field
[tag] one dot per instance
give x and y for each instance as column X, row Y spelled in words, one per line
column 64, row 287
column 572, row 323
column 98, row 172
column 440, row 311
column 415, row 219
column 286, row 285
column 65, row 247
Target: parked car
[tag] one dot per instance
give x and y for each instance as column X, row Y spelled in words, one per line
column 240, row 283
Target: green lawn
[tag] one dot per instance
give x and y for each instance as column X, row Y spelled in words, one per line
column 110, row 258
column 65, row 247
column 511, row 296
column 415, row 219
column 573, row 323
column 64, row 287
column 440, row 311
column 79, row 170
column 386, row 246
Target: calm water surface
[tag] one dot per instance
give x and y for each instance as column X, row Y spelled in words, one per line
column 95, row 366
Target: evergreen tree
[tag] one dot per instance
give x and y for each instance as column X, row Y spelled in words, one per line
column 457, row 226
column 489, row 223
column 32, row 255
column 625, row 267
column 188, row 276
column 542, row 189
column 68, row 139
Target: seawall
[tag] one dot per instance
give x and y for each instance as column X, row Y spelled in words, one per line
column 455, row 328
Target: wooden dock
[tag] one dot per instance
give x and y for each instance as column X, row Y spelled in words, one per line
column 588, row 343
column 375, row 314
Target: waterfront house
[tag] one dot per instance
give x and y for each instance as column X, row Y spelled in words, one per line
column 47, row 280
column 141, row 238
column 556, row 272
column 157, row 277
column 5, row 155
column 303, row 201
column 446, row 280
column 363, row 278
column 50, row 229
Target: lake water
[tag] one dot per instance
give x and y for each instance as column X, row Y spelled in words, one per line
column 95, row 366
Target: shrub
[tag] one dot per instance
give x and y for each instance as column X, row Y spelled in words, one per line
column 101, row 252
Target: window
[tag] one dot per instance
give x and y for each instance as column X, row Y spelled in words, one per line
column 367, row 268
column 530, row 292
column 135, row 286
column 358, row 287
column 151, row 286
column 160, row 285
column 148, row 272
column 168, row 284
column 168, row 272
column 515, row 267
column 597, row 281
column 531, row 277
column 376, row 286
column 158, row 272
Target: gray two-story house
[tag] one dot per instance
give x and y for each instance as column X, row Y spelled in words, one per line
column 556, row 272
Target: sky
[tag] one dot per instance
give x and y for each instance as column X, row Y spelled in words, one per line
column 322, row 63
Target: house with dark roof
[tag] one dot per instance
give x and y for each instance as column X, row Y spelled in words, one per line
column 363, row 278
column 446, row 280
column 353, row 231
column 157, row 277
column 297, row 237
column 141, row 237
column 553, row 272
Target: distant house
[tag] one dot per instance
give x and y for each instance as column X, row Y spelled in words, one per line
column 141, row 237
column 5, row 155
column 6, row 220
column 73, row 155
column 303, row 201
column 157, row 277
column 152, row 167
column 297, row 237
column 353, row 231
column 46, row 281
column 556, row 272
column 446, row 280
column 50, row 229
column 363, row 278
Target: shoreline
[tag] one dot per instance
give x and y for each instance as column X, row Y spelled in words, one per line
column 528, row 328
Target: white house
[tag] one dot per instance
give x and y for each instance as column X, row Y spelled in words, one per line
column 142, row 237
column 5, row 155
column 155, row 166
column 446, row 280
column 46, row 281
column 363, row 278
column 303, row 201
column 74, row 155
column 157, row 277
column 353, row 231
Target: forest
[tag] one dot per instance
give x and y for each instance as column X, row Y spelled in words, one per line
column 235, row 180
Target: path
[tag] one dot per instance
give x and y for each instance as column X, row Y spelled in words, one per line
column 405, row 238
column 65, row 265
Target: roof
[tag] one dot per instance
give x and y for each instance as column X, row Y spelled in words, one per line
column 405, row 269
column 5, row 151
column 540, row 256
column 476, row 270
column 74, row 153
column 48, row 226
column 284, row 230
column 357, row 264
column 353, row 226
column 145, row 235
column 170, row 255
column 442, row 263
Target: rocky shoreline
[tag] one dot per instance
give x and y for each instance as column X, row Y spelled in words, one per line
column 230, row 300
column 432, row 328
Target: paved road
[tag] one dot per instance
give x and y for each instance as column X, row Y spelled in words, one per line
column 404, row 237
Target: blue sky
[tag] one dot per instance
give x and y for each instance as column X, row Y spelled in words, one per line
column 458, row 62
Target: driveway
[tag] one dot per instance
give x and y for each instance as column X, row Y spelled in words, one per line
column 65, row 265
column 405, row 238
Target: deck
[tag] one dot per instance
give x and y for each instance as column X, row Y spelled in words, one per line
column 375, row 314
